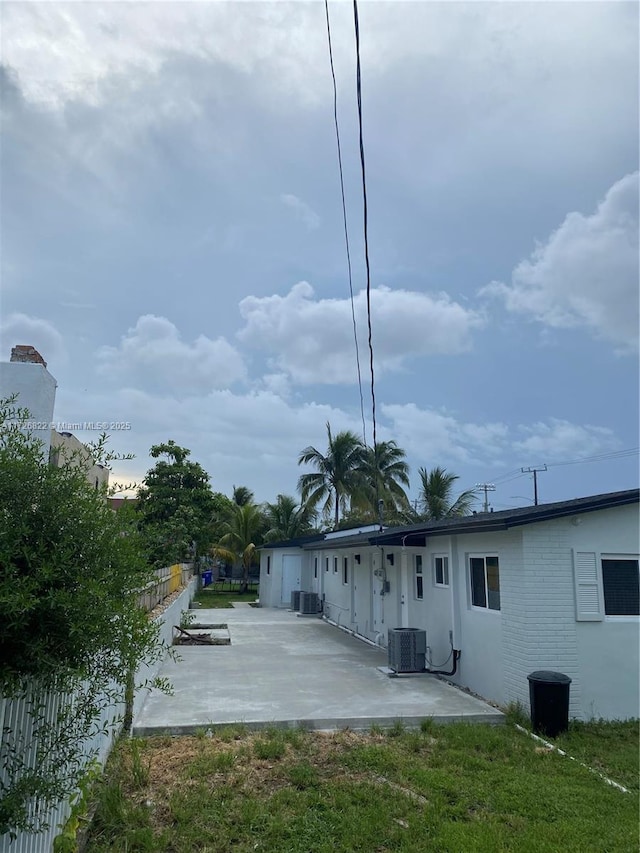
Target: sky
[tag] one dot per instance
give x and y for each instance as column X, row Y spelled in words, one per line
column 172, row 239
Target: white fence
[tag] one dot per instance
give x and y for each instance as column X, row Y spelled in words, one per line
column 16, row 725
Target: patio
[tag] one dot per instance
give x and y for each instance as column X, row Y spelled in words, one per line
column 284, row 670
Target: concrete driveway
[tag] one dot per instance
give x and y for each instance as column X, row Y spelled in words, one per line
column 281, row 669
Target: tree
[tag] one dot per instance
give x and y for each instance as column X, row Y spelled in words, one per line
column 384, row 473
column 241, row 535
column 242, row 495
column 286, row 519
column 436, row 501
column 71, row 572
column 175, row 506
column 338, row 474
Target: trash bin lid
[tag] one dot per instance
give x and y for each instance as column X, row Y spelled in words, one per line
column 548, row 677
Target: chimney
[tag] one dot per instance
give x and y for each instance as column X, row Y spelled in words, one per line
column 27, row 355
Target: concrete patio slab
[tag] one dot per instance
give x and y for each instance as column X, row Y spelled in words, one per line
column 283, row 671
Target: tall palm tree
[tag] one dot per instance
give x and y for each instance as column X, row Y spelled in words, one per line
column 436, row 499
column 286, row 519
column 242, row 495
column 337, row 476
column 384, row 473
column 241, row 534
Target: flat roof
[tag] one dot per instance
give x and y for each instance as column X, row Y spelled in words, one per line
column 480, row 522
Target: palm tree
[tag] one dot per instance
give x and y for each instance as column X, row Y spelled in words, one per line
column 338, row 473
column 242, row 495
column 286, row 519
column 240, row 538
column 384, row 474
column 435, row 499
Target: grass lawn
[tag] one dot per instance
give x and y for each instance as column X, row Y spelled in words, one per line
column 208, row 598
column 451, row 788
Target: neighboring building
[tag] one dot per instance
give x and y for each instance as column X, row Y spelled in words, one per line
column 27, row 376
column 554, row 586
column 66, row 449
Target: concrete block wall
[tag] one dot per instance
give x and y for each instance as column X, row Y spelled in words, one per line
column 539, row 627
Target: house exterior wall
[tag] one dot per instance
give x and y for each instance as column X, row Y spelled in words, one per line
column 67, row 449
column 271, row 582
column 36, row 390
column 536, row 627
column 609, row 650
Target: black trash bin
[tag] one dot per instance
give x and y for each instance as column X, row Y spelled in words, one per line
column 549, row 698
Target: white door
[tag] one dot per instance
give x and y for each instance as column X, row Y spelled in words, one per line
column 361, row 597
column 291, row 565
column 377, row 595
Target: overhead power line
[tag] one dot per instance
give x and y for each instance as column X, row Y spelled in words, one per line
column 365, row 212
column 344, row 217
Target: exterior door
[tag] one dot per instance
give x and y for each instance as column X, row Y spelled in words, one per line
column 291, row 565
column 361, row 598
column 377, row 597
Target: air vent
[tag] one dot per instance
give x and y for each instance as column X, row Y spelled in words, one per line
column 308, row 602
column 407, row 648
column 295, row 599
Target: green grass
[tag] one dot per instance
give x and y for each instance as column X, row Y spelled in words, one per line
column 451, row 788
column 208, row 598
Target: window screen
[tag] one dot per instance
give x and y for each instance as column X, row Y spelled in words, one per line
column 621, row 587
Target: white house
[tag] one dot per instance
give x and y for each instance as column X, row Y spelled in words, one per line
column 27, row 376
column 551, row 587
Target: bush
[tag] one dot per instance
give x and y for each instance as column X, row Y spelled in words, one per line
column 71, row 571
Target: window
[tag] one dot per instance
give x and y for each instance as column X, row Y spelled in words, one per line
column 269, row 564
column 485, row 582
column 621, row 586
column 326, row 564
column 335, row 565
column 315, row 567
column 418, row 576
column 345, row 570
column 441, row 571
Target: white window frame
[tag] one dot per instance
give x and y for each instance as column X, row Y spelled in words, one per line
column 615, row 617
column 335, row 565
column 268, row 564
column 345, row 571
column 445, row 571
column 326, row 565
column 315, row 568
column 478, row 607
column 418, row 572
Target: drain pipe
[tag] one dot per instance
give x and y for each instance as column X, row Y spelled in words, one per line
column 456, row 658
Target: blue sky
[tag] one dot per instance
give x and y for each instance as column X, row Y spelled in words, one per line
column 172, row 237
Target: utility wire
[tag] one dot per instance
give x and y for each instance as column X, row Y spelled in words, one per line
column 344, row 218
column 516, row 474
column 366, row 233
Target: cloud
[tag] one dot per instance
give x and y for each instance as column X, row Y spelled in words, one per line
column 439, row 437
column 302, row 211
column 250, row 438
column 586, row 274
column 152, row 353
column 561, row 440
column 23, row 329
column 312, row 339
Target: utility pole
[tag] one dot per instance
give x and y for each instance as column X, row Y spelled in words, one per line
column 486, row 488
column 534, row 470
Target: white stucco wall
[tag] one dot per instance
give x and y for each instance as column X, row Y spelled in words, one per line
column 36, row 390
column 609, row 650
column 271, row 583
